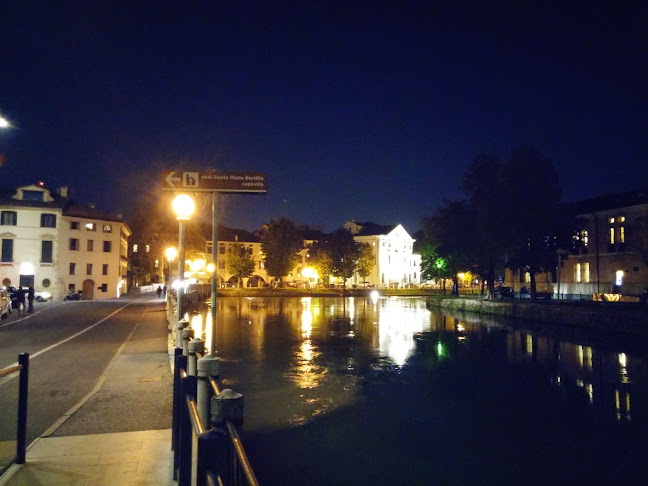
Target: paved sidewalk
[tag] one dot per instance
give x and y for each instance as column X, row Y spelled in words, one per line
column 134, row 390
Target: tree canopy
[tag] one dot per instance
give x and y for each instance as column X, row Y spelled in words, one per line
column 239, row 262
column 281, row 244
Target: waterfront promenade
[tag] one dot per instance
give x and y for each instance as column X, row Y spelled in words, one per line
column 121, row 432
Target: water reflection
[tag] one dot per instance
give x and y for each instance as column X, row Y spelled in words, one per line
column 298, row 358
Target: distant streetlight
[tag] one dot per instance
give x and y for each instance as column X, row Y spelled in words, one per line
column 170, row 254
column 184, row 207
column 4, row 123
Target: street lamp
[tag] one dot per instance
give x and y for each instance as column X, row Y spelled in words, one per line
column 170, row 253
column 4, row 123
column 184, row 207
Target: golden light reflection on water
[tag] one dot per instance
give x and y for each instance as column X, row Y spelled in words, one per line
column 280, row 341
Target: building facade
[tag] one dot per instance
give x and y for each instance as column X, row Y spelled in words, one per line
column 59, row 246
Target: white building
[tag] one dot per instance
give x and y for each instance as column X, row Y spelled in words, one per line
column 59, row 246
column 395, row 264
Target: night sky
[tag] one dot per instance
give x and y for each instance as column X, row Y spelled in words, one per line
column 363, row 110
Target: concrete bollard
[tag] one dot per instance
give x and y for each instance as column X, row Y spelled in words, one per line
column 179, row 327
column 187, row 335
column 227, row 405
column 206, row 366
column 195, row 346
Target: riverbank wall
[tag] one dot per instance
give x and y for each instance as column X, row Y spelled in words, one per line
column 616, row 317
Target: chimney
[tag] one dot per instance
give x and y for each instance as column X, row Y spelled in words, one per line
column 63, row 191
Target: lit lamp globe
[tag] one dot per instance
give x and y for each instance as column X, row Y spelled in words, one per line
column 210, row 267
column 171, row 253
column 183, row 206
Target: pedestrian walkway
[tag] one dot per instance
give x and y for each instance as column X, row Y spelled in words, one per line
column 99, row 441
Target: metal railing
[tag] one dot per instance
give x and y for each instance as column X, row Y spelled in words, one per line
column 206, row 455
column 21, row 423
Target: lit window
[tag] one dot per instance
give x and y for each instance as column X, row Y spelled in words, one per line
column 618, row 280
column 134, row 248
column 577, row 273
column 527, row 277
column 611, row 236
column 157, row 263
column 107, row 228
column 586, row 272
column 622, row 234
column 91, row 227
column 585, row 237
column 148, row 248
column 621, row 219
column 611, row 220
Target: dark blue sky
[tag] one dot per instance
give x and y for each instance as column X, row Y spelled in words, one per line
column 364, row 110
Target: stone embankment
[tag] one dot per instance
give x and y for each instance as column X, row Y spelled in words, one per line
column 617, row 317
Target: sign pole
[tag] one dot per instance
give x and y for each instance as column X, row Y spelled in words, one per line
column 212, row 345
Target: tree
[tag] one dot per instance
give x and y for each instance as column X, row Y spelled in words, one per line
column 239, row 262
column 366, row 260
column 320, row 259
column 540, row 227
column 344, row 252
column 281, row 244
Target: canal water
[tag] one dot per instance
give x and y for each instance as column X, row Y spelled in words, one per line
column 384, row 391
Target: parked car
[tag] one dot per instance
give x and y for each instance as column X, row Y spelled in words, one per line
column 503, row 292
column 5, row 303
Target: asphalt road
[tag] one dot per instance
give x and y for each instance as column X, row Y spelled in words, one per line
column 71, row 345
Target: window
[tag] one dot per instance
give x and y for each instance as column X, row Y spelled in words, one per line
column 46, row 282
column 107, row 246
column 221, row 249
column 32, row 195
column 221, row 264
column 577, row 273
column 104, row 269
column 9, row 218
column 46, row 251
column 74, row 243
column 7, row 251
column 48, row 220
column 585, row 238
column 586, row 272
column 88, row 268
column 107, row 228
column 74, row 225
column 91, row 227
column 71, row 288
column 135, row 248
column 621, row 234
column 618, row 277
column 611, row 236
column 72, row 268
column 90, row 245
column 527, row 277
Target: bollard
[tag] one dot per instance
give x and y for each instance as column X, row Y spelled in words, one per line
column 206, row 366
column 187, row 335
column 179, row 327
column 195, row 346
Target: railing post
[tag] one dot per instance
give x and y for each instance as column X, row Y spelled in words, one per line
column 187, row 335
column 23, row 387
column 180, row 363
column 207, row 366
column 227, row 406
column 195, row 346
column 185, row 442
column 180, row 325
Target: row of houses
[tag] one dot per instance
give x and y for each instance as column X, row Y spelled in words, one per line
column 60, row 246
column 395, row 262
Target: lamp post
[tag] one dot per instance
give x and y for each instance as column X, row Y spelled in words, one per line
column 183, row 206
